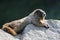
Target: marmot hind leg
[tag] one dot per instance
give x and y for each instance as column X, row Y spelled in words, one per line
column 6, row 27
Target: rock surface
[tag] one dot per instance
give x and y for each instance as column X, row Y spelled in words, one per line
column 6, row 36
column 31, row 32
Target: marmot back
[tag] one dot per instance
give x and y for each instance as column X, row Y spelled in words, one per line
column 37, row 17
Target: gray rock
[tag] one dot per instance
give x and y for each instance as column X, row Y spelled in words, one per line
column 32, row 32
column 6, row 36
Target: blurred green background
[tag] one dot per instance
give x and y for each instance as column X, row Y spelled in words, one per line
column 16, row 9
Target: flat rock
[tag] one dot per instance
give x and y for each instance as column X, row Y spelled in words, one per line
column 32, row 32
column 6, row 36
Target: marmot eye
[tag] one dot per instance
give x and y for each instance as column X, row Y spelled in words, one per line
column 44, row 14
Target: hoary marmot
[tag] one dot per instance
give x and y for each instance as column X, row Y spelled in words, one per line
column 37, row 17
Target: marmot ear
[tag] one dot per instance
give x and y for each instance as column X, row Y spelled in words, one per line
column 38, row 11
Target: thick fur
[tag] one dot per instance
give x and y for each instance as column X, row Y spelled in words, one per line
column 37, row 17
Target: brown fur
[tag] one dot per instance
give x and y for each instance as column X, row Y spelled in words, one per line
column 37, row 18
column 7, row 28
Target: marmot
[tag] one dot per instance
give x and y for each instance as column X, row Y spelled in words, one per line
column 37, row 17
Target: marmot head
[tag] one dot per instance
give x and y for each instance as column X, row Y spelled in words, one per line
column 39, row 13
column 39, row 16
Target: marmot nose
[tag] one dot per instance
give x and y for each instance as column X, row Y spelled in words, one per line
column 46, row 27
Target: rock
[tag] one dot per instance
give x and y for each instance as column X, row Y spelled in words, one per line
column 32, row 32
column 6, row 36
